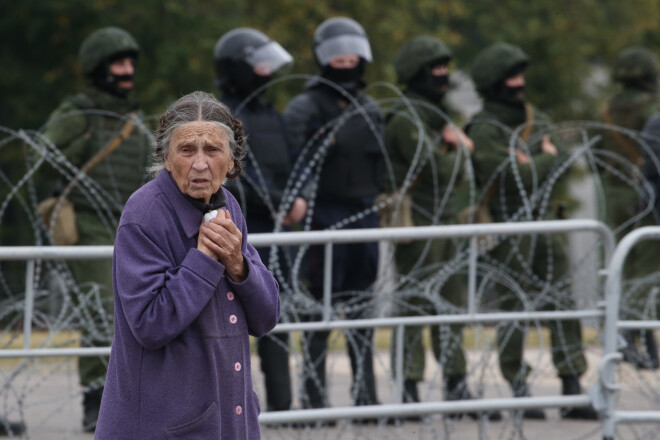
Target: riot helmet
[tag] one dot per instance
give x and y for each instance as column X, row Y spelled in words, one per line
column 245, row 59
column 637, row 67
column 100, row 50
column 337, row 37
column 418, row 65
column 493, row 66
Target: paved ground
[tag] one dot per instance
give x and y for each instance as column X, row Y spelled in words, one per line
column 52, row 404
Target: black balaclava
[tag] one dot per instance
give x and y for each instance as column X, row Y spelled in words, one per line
column 509, row 95
column 243, row 81
column 348, row 79
column 103, row 79
column 433, row 87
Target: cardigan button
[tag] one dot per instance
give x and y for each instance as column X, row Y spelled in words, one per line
column 239, row 410
column 233, row 319
column 230, row 296
column 237, row 366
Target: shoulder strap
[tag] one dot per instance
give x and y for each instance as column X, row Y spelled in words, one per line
column 529, row 118
column 490, row 193
column 114, row 143
column 632, row 152
column 81, row 101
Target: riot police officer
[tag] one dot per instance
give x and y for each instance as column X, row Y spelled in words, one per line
column 627, row 202
column 83, row 125
column 337, row 132
column 499, row 75
column 245, row 60
column 426, row 170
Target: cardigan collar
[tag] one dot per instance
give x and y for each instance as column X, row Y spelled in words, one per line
column 189, row 211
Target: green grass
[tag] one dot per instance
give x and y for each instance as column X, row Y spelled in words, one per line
column 471, row 337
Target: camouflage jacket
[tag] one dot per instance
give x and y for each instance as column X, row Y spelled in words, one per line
column 82, row 126
column 515, row 194
column 418, row 155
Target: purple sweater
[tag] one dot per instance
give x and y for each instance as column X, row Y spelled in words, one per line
column 180, row 361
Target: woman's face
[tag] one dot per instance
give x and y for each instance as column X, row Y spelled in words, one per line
column 199, row 159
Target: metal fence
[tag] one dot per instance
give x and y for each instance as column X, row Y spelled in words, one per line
column 328, row 238
column 605, row 395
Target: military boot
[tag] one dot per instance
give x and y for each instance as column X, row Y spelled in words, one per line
column 651, row 346
column 410, row 392
column 91, row 408
column 11, row 428
column 570, row 387
column 411, row 395
column 520, row 389
column 456, row 389
column 630, row 352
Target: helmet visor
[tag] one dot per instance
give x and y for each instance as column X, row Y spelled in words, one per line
column 269, row 58
column 343, row 45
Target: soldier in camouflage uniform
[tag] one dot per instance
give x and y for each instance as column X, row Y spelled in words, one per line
column 80, row 127
column 511, row 179
column 422, row 67
column 627, row 202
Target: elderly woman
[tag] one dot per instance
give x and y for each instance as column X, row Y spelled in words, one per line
column 188, row 290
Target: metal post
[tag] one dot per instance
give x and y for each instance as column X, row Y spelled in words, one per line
column 472, row 276
column 399, row 362
column 613, row 298
column 327, row 283
column 29, row 304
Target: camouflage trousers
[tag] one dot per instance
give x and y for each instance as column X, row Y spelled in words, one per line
column 429, row 287
column 94, row 299
column 625, row 212
column 535, row 277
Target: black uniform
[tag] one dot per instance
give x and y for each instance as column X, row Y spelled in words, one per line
column 346, row 157
column 259, row 191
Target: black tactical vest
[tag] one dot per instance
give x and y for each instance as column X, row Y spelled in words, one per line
column 263, row 182
column 353, row 162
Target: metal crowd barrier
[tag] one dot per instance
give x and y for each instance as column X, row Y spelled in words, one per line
column 608, row 389
column 329, row 238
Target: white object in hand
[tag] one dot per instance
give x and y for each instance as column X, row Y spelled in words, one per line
column 210, row 215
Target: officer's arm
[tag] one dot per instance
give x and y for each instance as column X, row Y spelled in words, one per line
column 409, row 142
column 301, row 119
column 651, row 135
column 491, row 145
column 66, row 128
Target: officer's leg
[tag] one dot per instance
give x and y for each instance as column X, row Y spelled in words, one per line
column 363, row 388
column 360, row 265
column 273, row 348
column 448, row 340
column 510, row 339
column 315, row 343
column 410, row 302
column 94, row 302
column 274, row 354
column 315, row 348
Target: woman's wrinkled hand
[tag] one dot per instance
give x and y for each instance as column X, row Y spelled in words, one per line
column 221, row 240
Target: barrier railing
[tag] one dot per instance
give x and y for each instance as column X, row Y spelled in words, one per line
column 329, row 238
column 608, row 387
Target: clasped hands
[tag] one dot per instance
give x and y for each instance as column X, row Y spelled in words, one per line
column 546, row 146
column 221, row 240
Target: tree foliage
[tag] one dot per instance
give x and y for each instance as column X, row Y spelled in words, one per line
column 563, row 38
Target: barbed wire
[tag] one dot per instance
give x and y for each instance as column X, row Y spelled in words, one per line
column 63, row 305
